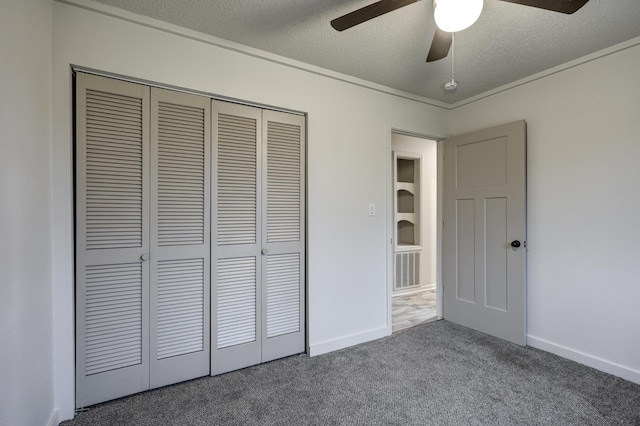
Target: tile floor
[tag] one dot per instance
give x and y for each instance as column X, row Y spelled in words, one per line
column 412, row 309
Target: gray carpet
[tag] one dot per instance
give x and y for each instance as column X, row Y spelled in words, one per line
column 433, row 374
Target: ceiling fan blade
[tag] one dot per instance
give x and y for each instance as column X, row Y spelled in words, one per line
column 368, row 12
column 562, row 6
column 440, row 45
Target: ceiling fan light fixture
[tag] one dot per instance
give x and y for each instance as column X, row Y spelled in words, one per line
column 456, row 15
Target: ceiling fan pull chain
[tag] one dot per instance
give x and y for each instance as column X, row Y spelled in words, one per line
column 453, row 55
column 452, row 85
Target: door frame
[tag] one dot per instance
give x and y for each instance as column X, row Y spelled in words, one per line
column 390, row 214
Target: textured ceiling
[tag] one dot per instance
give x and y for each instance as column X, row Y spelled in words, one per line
column 509, row 41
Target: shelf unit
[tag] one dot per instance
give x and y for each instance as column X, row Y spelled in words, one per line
column 407, row 199
column 408, row 248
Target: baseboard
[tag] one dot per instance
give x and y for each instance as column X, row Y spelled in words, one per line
column 346, row 341
column 54, row 419
column 431, row 286
column 585, row 359
column 412, row 290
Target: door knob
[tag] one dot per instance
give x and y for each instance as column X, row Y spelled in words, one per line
column 264, row 252
column 515, row 243
column 144, row 257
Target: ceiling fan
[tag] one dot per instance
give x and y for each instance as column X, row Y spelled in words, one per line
column 466, row 9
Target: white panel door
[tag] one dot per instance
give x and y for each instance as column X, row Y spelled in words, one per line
column 236, row 250
column 112, row 238
column 180, row 238
column 484, row 254
column 283, row 242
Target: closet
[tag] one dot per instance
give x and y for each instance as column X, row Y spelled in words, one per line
column 189, row 220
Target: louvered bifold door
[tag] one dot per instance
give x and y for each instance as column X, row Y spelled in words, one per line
column 180, row 237
column 235, row 337
column 112, row 238
column 283, row 242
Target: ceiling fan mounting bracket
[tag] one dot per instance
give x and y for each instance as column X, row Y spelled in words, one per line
column 450, row 86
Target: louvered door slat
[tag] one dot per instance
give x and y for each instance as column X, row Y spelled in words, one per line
column 175, row 316
column 283, row 294
column 283, row 182
column 236, row 301
column 181, row 177
column 113, row 153
column 111, row 290
column 237, row 180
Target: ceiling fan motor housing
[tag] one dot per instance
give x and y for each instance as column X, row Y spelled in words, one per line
column 456, row 15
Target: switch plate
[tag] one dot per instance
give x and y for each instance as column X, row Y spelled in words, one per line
column 372, row 209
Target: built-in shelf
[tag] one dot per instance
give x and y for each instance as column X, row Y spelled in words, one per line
column 407, row 206
column 406, row 202
column 407, row 217
column 406, row 170
column 406, row 186
column 408, row 251
column 407, row 247
column 406, row 233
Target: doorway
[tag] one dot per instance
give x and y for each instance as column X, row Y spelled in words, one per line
column 414, row 216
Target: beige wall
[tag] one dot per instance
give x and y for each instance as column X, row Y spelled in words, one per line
column 583, row 189
column 26, row 342
column 348, row 134
column 583, row 205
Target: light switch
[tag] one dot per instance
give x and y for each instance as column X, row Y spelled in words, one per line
column 372, row 209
